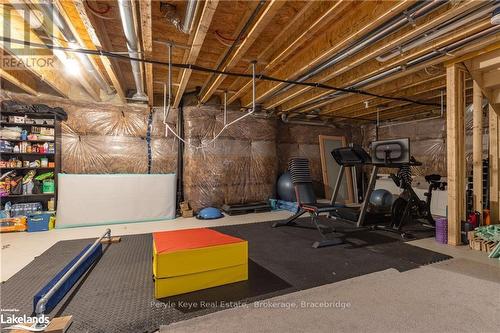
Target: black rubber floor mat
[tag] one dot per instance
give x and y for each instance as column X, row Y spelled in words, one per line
column 116, row 295
column 260, row 282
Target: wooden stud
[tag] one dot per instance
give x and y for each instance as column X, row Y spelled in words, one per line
column 207, row 15
column 477, row 148
column 493, row 164
column 455, row 132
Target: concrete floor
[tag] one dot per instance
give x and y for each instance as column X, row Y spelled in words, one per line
column 456, row 295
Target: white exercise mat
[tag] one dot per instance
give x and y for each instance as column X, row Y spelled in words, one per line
column 85, row 199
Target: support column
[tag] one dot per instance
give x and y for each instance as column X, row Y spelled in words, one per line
column 477, row 149
column 455, row 135
column 493, row 164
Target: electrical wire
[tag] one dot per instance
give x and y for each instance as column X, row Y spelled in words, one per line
column 226, row 125
column 197, row 68
column 100, row 12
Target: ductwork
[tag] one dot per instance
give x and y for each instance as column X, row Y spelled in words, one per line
column 127, row 16
column 419, row 10
column 172, row 16
column 443, row 29
column 52, row 12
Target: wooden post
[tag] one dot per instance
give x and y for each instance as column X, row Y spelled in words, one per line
column 455, row 133
column 493, row 164
column 477, row 148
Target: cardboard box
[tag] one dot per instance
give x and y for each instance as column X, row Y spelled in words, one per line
column 187, row 213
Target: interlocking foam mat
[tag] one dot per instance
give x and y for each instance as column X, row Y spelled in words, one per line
column 116, row 294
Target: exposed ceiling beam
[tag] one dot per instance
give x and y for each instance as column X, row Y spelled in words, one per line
column 413, row 92
column 486, row 61
column 389, row 87
column 291, row 38
column 388, row 44
column 147, row 45
column 482, row 69
column 20, row 80
column 100, row 41
column 362, row 18
column 491, row 78
column 374, row 68
column 264, row 19
column 207, row 15
column 84, row 78
column 46, row 67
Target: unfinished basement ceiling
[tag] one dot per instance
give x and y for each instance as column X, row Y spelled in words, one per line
column 390, row 48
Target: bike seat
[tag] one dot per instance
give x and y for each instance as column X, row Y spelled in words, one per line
column 432, row 178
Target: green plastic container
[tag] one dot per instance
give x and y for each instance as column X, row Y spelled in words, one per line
column 48, row 186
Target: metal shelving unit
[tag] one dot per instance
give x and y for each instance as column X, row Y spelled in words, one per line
column 32, row 156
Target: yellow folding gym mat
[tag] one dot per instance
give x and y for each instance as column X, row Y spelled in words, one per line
column 195, row 259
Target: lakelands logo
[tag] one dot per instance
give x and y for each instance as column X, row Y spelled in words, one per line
column 24, row 322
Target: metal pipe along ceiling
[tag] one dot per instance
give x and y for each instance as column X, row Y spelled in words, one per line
column 127, row 17
column 187, row 24
column 426, row 57
column 51, row 11
column 443, row 29
column 419, row 10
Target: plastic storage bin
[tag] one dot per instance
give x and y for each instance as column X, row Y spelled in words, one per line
column 39, row 222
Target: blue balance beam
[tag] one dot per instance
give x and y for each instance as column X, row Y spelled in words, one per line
column 70, row 282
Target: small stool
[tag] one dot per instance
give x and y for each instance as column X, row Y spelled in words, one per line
column 195, row 259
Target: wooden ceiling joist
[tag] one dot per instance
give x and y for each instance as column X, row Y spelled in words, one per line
column 390, row 43
column 390, row 87
column 374, row 68
column 147, row 45
column 41, row 69
column 294, row 38
column 491, row 78
column 332, row 41
column 103, row 40
column 414, row 92
column 485, row 70
column 200, row 33
column 20, row 80
column 264, row 19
